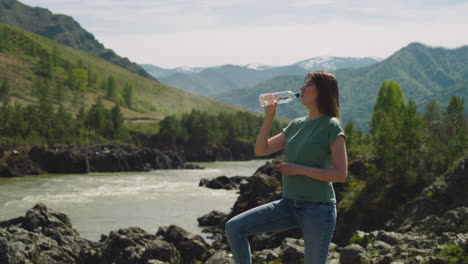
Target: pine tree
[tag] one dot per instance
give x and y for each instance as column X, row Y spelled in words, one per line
column 91, row 76
column 117, row 119
column 385, row 140
column 69, row 69
column 55, row 56
column 456, row 128
column 349, row 131
column 79, row 79
column 386, row 124
column 45, row 64
column 5, row 93
column 3, row 39
column 389, row 100
column 111, row 92
column 80, row 64
column 128, row 94
column 58, row 92
column 96, row 116
column 433, row 111
column 412, row 130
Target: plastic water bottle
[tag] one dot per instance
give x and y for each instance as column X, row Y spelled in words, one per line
column 280, row 97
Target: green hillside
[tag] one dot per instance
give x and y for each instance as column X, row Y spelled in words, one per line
column 23, row 56
column 424, row 73
column 61, row 28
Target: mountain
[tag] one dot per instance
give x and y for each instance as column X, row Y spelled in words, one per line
column 159, row 72
column 215, row 80
column 22, row 58
column 63, row 29
column 423, row 72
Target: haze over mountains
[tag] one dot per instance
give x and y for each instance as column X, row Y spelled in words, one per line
column 215, row 80
column 63, row 29
column 423, row 72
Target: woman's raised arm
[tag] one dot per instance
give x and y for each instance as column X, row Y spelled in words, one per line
column 263, row 145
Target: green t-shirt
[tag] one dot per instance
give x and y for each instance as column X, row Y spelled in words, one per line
column 308, row 143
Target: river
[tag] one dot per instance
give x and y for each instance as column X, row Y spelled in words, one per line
column 97, row 203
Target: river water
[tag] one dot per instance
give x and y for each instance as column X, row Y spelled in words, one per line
column 97, row 203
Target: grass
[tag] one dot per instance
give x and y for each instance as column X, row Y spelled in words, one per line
column 455, row 254
column 350, row 193
column 154, row 100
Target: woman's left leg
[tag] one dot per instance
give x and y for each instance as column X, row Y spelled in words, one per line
column 318, row 223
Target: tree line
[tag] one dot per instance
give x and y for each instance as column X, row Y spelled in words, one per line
column 405, row 151
column 201, row 128
column 45, row 123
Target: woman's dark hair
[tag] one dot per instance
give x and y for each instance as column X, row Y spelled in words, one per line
column 328, row 101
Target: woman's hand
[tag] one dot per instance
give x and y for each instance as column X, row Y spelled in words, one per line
column 270, row 109
column 289, row 169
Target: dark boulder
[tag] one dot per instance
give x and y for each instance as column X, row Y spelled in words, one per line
column 192, row 247
column 114, row 157
column 213, row 218
column 224, row 182
column 43, row 235
column 60, row 160
column 134, row 245
column 18, row 164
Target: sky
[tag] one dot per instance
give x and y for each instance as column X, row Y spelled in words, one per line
column 202, row 33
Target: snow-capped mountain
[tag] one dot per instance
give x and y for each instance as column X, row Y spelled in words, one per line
column 217, row 79
column 258, row 67
column 187, row 69
column 333, row 63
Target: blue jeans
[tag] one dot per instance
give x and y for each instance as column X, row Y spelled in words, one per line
column 316, row 219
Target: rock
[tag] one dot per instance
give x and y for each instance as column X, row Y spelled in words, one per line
column 270, row 240
column 192, row 166
column 383, row 247
column 221, row 257
column 353, row 254
column 43, row 235
column 155, row 261
column 391, row 238
column 292, row 251
column 455, row 220
column 114, row 157
column 60, row 161
column 266, row 255
column 192, row 247
column 241, row 150
column 447, row 193
column 261, row 189
column 134, row 245
column 18, row 165
column 223, row 182
column 213, row 218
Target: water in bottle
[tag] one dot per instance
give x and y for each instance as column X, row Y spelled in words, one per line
column 280, row 97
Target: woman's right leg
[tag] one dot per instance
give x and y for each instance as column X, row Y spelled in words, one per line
column 273, row 216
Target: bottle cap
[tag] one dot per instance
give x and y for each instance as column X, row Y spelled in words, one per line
column 297, row 95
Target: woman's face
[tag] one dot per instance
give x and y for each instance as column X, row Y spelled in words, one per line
column 309, row 93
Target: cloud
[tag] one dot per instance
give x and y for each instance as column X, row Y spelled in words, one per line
column 205, row 32
column 279, row 45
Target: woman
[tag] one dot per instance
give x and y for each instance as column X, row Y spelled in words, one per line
column 315, row 156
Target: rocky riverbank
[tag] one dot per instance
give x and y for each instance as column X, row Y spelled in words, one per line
column 115, row 157
column 232, row 150
column 431, row 229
